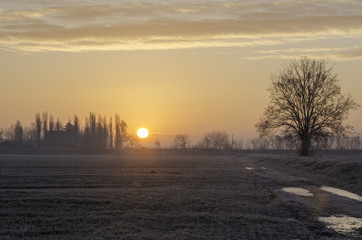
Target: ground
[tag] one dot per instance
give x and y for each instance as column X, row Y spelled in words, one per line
column 155, row 196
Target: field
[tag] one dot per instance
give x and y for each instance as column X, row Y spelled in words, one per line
column 155, row 196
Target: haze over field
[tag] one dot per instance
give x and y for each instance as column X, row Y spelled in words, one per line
column 173, row 67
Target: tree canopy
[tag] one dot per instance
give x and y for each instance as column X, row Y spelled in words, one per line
column 306, row 103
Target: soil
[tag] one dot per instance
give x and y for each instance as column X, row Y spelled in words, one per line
column 165, row 197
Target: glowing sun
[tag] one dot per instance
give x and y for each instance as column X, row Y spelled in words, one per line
column 142, row 133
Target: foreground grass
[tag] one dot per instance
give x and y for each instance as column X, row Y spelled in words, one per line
column 146, row 197
column 339, row 170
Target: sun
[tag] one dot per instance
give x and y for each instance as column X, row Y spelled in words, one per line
column 142, row 133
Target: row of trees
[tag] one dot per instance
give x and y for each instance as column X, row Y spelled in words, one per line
column 220, row 140
column 98, row 132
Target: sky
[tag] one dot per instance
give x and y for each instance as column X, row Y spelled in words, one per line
column 174, row 67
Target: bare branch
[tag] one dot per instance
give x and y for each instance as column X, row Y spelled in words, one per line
column 306, row 101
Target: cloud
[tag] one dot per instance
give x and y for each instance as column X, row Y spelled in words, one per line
column 142, row 26
column 352, row 54
column 337, row 54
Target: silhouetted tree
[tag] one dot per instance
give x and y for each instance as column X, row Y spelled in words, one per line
column 124, row 135
column 58, row 125
column 102, row 133
column 45, row 122
column 240, row 144
column 38, row 129
column 133, row 140
column 18, row 132
column 306, row 103
column 69, row 127
column 1, row 135
column 110, row 128
column 51, row 123
column 9, row 133
column 29, row 135
column 76, row 131
column 117, row 128
column 105, row 133
column 181, row 141
column 92, row 126
column 216, row 140
column 120, row 132
column 86, row 135
column 99, row 133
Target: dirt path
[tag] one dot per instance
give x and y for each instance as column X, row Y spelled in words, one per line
column 338, row 209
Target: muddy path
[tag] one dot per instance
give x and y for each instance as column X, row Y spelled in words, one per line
column 338, row 209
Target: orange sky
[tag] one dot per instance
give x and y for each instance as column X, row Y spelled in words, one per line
column 182, row 67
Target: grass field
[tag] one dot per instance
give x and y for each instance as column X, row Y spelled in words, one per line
column 159, row 197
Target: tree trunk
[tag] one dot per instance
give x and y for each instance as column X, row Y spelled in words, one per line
column 305, row 147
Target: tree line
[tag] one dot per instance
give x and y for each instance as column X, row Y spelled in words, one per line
column 98, row 133
column 220, row 140
column 102, row 133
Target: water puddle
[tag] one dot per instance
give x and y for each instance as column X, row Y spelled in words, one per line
column 249, row 168
column 298, row 191
column 343, row 224
column 342, row 193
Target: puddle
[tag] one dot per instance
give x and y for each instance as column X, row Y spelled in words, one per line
column 342, row 193
column 249, row 168
column 343, row 224
column 298, row 191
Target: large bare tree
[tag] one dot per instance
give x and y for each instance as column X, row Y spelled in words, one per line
column 306, row 103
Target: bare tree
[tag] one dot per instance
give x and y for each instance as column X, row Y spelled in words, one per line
column 240, row 144
column 133, row 140
column 29, row 134
column 9, row 133
column 181, row 141
column 306, row 103
column 216, row 140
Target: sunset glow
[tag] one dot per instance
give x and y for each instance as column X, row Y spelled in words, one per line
column 181, row 119
column 194, row 66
